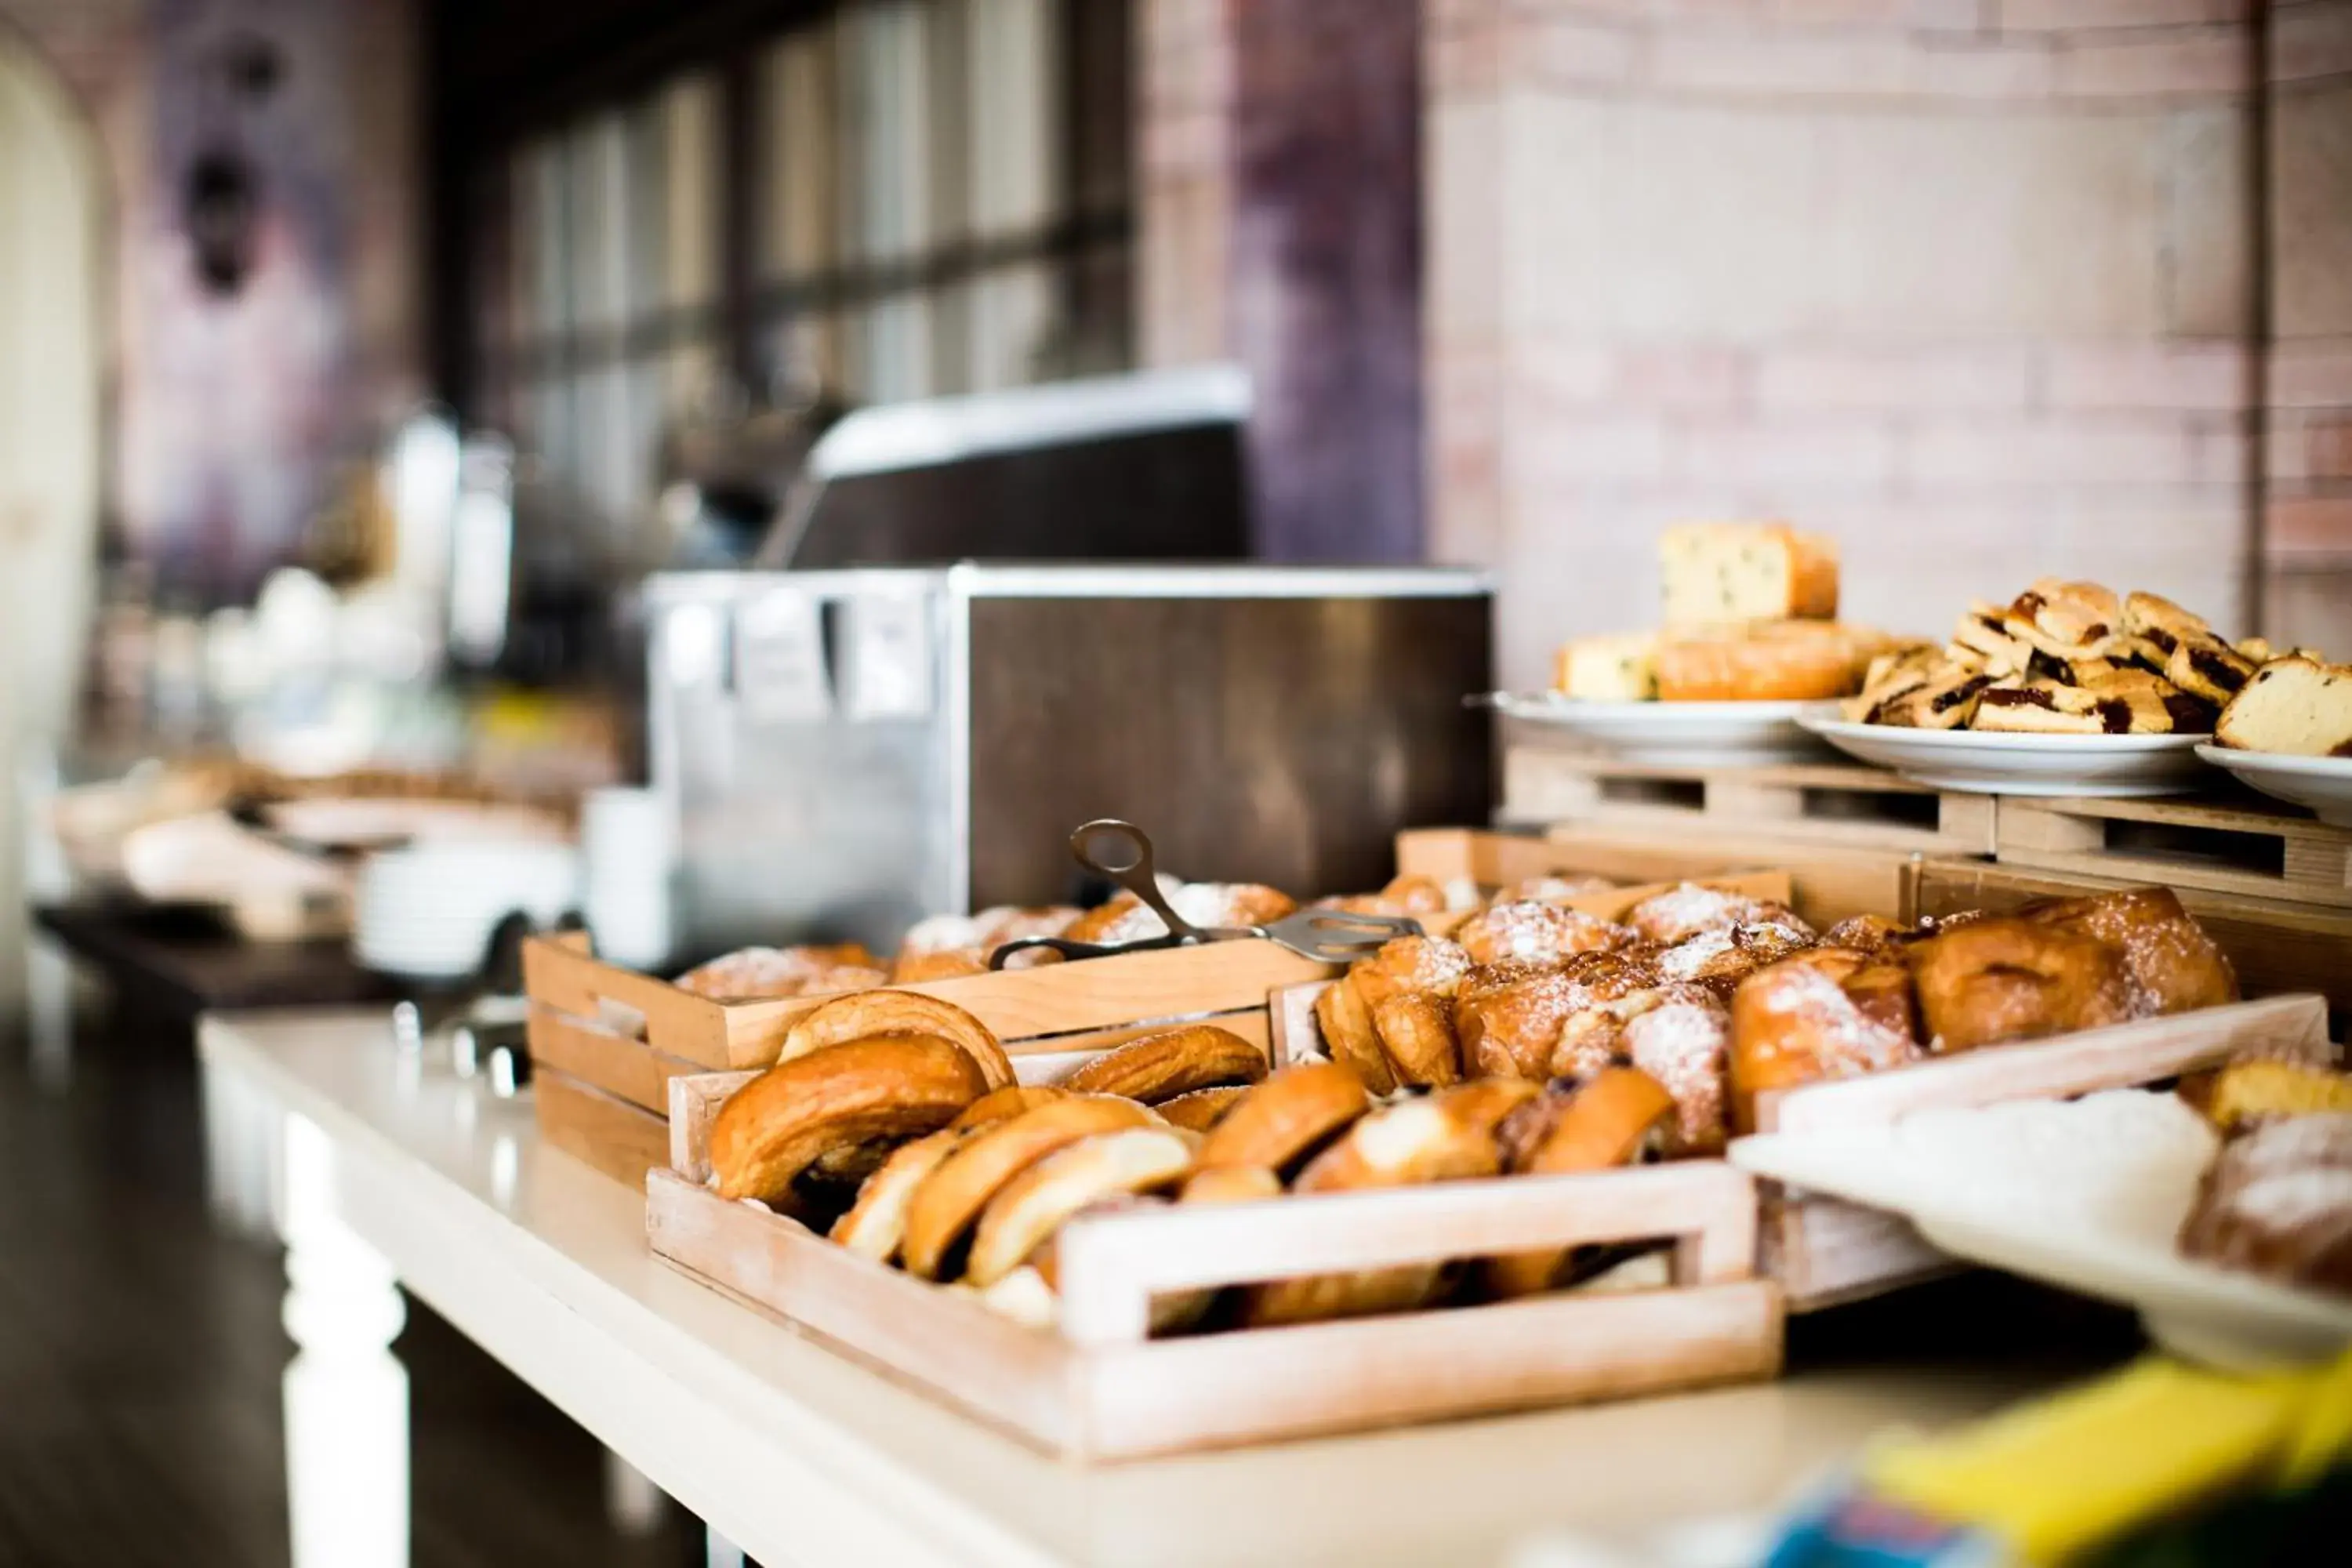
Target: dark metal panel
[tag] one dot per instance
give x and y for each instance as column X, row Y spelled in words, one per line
column 1278, row 740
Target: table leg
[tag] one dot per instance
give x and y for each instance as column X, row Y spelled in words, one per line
column 632, row 1502
column 48, row 1010
column 346, row 1395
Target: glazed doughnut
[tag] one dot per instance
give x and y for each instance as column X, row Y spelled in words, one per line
column 1286, row 1119
column 2169, row 962
column 1689, row 909
column 784, row 1120
column 1795, row 1024
column 1201, row 1110
column 1033, row 1204
column 1684, row 1041
column 874, row 1226
column 1528, row 928
column 1153, row 1067
column 1002, row 1104
column 950, row 1199
column 1604, row 1121
column 1348, row 1033
column 1416, row 1034
column 2013, row 979
column 868, row 1014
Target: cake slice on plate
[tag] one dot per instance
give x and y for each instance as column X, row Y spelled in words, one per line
column 2296, row 706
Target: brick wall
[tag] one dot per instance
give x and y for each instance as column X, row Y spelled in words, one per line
column 1967, row 282
column 1184, row 143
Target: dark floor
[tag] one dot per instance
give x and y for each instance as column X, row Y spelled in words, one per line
column 139, row 1357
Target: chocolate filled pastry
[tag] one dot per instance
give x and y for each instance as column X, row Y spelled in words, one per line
column 1416, row 1034
column 1003, row 1104
column 1031, row 1206
column 1892, row 676
column 1510, row 1017
column 1162, row 1066
column 2209, row 668
column 2042, row 708
column 1949, row 702
column 2171, row 965
column 1690, row 909
column 763, row 973
column 1346, row 1025
column 1804, row 1020
column 2161, row 625
column 1606, row 1120
column 1200, row 1110
column 946, row 1202
column 2066, row 620
column 1984, row 642
column 856, row 1095
column 1287, row 1119
column 1532, row 930
column 872, row 1014
column 1683, row 1040
column 877, row 1223
column 2015, row 979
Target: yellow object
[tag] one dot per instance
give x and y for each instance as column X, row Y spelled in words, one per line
column 2323, row 1439
column 2054, row 1476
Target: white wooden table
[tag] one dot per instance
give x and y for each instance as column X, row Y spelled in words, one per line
column 388, row 1167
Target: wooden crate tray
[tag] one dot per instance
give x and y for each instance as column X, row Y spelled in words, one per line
column 2251, row 846
column 1824, row 803
column 1097, row 1388
column 1826, row 883
column 621, row 1140
column 2275, row 944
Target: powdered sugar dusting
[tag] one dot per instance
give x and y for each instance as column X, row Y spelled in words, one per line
column 1690, row 909
column 1528, row 928
column 1684, row 1042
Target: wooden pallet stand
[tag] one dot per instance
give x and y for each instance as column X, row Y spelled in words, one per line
column 1097, row 1388
column 1823, row 802
column 2250, row 846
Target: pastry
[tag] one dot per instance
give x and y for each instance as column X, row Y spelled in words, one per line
column 1721, row 959
column 2296, row 706
column 1407, row 897
column 1551, row 888
column 868, row 1092
column 760, row 973
column 869, row 1014
column 1948, row 701
column 2260, row 1090
column 1162, row 1065
column 1532, row 930
column 1891, row 677
column 2209, row 668
column 1795, row 1023
column 1610, row 669
column 1690, row 909
column 1872, row 933
column 1416, row 1034
column 1423, row 964
column 1347, row 1028
column 1984, row 643
column 947, row 1202
column 2042, row 708
column 1683, row 1040
column 1200, row 1110
column 1031, row 1205
column 875, row 1225
column 1230, row 1184
column 1603, row 1121
column 2015, row 979
column 1767, row 661
column 2278, row 1202
column 1510, row 1017
column 2171, row 964
column 2161, row 625
column 1725, row 572
column 1287, row 1119
column 2066, row 620
column 1003, row 1104
column 951, row 963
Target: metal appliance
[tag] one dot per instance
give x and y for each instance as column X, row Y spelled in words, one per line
column 849, row 751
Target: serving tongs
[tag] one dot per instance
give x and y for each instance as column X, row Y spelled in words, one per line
column 1120, row 852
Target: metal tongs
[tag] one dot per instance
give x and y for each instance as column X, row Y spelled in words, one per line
column 1120, row 851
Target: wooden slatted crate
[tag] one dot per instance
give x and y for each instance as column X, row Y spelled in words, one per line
column 2251, row 846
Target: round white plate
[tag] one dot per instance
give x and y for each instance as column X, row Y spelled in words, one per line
column 1988, row 763
column 1673, row 734
column 2321, row 783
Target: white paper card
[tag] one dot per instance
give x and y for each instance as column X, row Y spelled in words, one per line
column 780, row 671
column 889, row 655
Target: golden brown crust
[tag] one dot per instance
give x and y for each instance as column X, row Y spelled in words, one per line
column 1348, row 1033
column 1767, row 661
column 2171, row 964
column 1605, row 1122
column 1289, row 1115
column 1418, row 964
column 1002, row 1104
column 948, row 1201
column 1532, row 928
column 1201, row 1110
column 845, row 1097
column 1514, row 1020
column 1796, row 1024
column 869, row 1014
column 1153, row 1067
column 762, row 973
column 1230, row 1184
column 1031, row 1206
column 1416, row 1034
column 2011, row 979
column 948, row 963
column 876, row 1224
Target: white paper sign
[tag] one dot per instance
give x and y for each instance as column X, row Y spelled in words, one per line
column 780, row 671
column 889, row 656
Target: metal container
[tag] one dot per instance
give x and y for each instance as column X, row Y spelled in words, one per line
column 848, row 751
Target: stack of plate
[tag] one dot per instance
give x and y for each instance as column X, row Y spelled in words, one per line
column 428, row 911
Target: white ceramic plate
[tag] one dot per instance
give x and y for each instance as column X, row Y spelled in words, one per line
column 2116, row 1245
column 2321, row 783
column 1986, row 762
column 1673, row 734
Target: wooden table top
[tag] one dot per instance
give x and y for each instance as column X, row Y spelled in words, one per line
column 185, row 964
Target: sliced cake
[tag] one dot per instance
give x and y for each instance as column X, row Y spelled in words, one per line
column 2297, row 706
